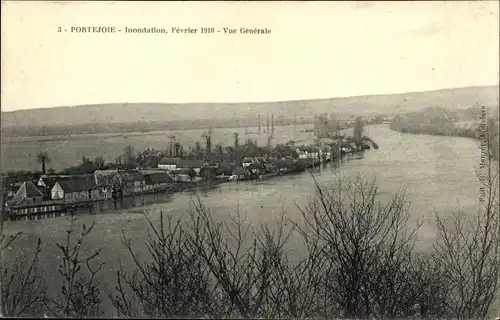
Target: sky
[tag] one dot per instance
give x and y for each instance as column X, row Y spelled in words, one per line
column 315, row 50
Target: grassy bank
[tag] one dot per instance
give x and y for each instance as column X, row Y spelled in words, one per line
column 486, row 131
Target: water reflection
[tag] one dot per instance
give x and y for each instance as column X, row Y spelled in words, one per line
column 109, row 206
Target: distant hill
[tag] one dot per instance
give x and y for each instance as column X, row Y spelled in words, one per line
column 159, row 112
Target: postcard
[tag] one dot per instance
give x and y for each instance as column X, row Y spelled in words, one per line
column 250, row 159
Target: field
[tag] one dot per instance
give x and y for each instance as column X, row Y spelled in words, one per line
column 18, row 153
column 133, row 113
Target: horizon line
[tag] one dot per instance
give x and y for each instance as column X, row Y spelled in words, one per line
column 251, row 102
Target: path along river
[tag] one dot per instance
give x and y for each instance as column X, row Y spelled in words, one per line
column 437, row 172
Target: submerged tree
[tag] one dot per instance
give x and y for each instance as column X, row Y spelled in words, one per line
column 236, row 140
column 177, row 148
column 43, row 158
column 130, row 156
column 198, row 151
column 171, row 151
column 358, row 129
column 99, row 162
column 220, row 151
column 87, row 166
column 208, row 141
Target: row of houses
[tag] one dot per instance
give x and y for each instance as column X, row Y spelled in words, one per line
column 103, row 184
column 51, row 190
column 177, row 165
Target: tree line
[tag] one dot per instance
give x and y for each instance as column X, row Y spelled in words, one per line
column 438, row 121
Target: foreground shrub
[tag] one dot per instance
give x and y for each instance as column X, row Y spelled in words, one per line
column 22, row 284
column 358, row 261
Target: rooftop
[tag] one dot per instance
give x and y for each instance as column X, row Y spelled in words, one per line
column 185, row 163
column 77, row 184
column 158, row 177
column 169, row 161
column 27, row 190
column 104, row 177
column 131, row 176
column 50, row 180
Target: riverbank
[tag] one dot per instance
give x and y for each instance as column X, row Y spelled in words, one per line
column 415, row 125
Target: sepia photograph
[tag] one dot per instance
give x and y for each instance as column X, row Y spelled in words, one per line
column 250, row 160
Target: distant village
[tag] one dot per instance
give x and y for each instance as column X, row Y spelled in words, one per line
column 173, row 170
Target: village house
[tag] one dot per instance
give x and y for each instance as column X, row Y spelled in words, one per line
column 150, row 158
column 308, row 152
column 210, row 168
column 225, row 169
column 212, row 163
column 209, row 172
column 173, row 164
column 241, row 173
column 247, row 161
column 256, row 168
column 104, row 180
column 130, row 182
column 76, row 189
column 169, row 164
column 12, row 189
column 196, row 165
column 185, row 175
column 29, row 200
column 156, row 181
column 152, row 152
column 284, row 164
column 46, row 182
column 28, row 194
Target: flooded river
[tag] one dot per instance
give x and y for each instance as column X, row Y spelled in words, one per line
column 437, row 172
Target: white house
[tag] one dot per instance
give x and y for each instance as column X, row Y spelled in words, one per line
column 169, row 164
column 173, row 164
column 308, row 155
column 247, row 161
column 196, row 165
column 75, row 190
